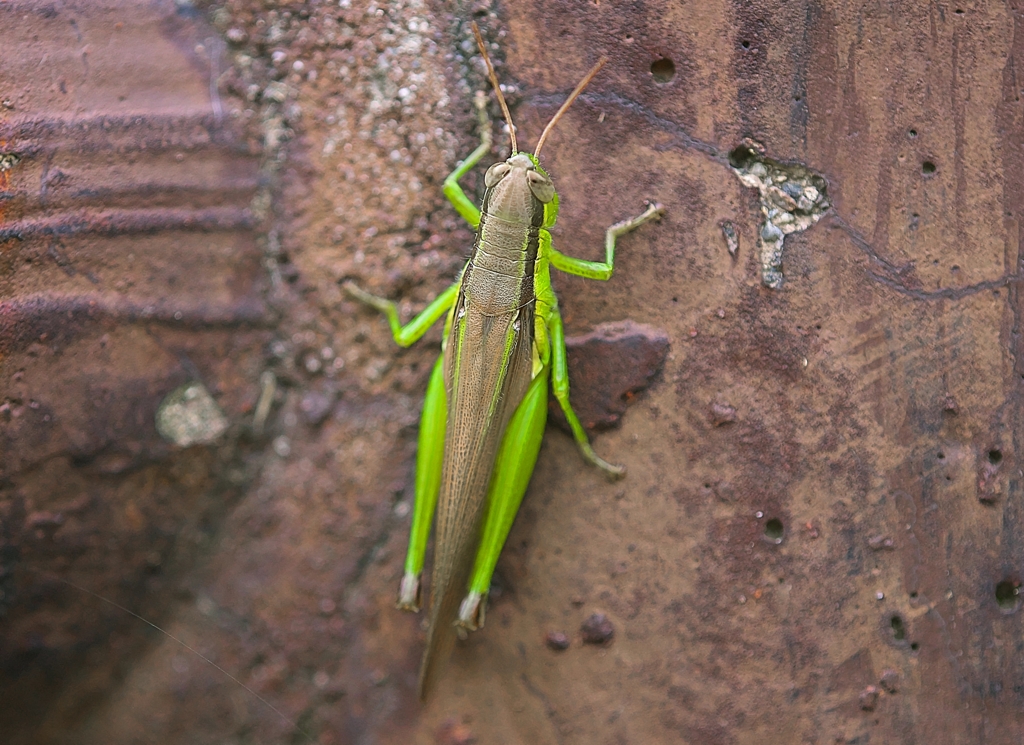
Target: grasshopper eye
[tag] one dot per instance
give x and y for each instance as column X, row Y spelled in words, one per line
column 496, row 173
column 541, row 186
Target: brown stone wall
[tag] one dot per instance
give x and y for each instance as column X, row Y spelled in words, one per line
column 819, row 539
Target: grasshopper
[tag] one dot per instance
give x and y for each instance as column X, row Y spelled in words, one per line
column 486, row 403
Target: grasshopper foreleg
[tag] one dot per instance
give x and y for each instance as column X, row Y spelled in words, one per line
column 463, row 205
column 559, row 371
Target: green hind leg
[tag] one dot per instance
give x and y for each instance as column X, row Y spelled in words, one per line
column 512, row 471
column 429, row 456
column 430, row 452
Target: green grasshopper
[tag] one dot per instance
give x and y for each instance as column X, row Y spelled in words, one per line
column 486, row 404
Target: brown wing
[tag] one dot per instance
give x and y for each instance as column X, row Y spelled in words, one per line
column 488, row 366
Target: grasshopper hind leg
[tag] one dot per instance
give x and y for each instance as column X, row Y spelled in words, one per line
column 512, row 470
column 430, row 451
column 429, row 457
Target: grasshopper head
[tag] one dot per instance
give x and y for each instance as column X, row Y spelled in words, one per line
column 520, row 191
column 525, row 168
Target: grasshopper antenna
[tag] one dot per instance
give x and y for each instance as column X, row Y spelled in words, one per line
column 568, row 102
column 497, row 88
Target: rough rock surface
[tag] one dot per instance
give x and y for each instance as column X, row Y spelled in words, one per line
column 850, row 514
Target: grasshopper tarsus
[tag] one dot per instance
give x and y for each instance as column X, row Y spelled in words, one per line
column 615, row 473
column 611, row 470
column 653, row 211
column 472, row 611
column 409, row 593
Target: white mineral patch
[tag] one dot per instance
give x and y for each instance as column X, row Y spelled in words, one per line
column 188, row 415
column 792, row 197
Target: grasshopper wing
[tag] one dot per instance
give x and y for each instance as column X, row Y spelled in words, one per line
column 488, row 367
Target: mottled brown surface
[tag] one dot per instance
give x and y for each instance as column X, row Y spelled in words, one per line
column 128, row 265
column 824, row 482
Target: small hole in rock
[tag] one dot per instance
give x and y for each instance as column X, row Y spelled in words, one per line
column 745, row 44
column 741, row 157
column 913, row 595
column 899, row 629
column 915, row 646
column 927, row 167
column 1008, row 594
column 995, row 457
column 663, row 70
column 941, row 455
column 912, row 133
column 628, row 38
column 773, row 530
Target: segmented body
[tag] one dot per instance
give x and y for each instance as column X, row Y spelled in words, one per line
column 490, row 361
